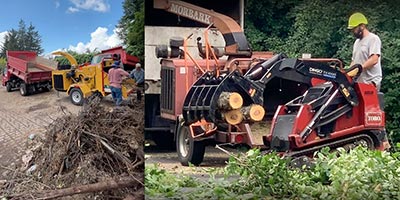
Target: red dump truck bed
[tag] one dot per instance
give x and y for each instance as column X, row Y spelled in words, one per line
column 27, row 66
column 28, row 72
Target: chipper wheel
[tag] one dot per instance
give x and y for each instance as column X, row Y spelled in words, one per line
column 189, row 150
column 76, row 96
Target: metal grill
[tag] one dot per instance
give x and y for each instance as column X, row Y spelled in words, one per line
column 167, row 100
column 58, row 82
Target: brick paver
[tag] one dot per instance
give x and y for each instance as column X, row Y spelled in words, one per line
column 22, row 116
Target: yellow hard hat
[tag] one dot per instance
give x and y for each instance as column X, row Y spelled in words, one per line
column 356, row 19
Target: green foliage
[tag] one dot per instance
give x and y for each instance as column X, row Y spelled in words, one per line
column 160, row 183
column 3, row 64
column 358, row 174
column 131, row 27
column 23, row 39
column 268, row 23
column 80, row 58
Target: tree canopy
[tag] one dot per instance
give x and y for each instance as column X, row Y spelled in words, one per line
column 131, row 27
column 80, row 58
column 23, row 39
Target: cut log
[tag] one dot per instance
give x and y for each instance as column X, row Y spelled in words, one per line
column 230, row 100
column 80, row 189
column 253, row 112
column 233, row 117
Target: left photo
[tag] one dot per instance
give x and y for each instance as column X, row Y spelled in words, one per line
column 71, row 99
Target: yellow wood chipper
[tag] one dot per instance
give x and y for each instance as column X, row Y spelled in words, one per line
column 82, row 81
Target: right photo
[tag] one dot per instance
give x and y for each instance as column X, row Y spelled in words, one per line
column 271, row 100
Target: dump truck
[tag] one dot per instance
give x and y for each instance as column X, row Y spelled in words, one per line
column 83, row 80
column 27, row 72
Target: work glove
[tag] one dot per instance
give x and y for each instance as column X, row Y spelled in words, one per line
column 354, row 71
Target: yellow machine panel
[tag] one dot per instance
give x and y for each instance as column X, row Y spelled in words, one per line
column 82, row 81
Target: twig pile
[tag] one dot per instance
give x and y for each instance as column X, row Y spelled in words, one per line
column 98, row 145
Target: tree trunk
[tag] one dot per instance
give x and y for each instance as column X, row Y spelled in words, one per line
column 253, row 112
column 230, row 100
column 95, row 187
column 233, row 117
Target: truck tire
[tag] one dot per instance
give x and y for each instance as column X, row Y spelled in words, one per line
column 76, row 96
column 8, row 87
column 23, row 89
column 46, row 87
column 189, row 151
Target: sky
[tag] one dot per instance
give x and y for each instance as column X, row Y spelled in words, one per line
column 75, row 25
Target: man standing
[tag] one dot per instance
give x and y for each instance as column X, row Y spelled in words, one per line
column 366, row 51
column 115, row 75
column 138, row 75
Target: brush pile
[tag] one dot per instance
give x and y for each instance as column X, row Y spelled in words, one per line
column 99, row 151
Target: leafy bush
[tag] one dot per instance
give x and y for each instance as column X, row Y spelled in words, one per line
column 359, row 174
column 3, row 64
column 80, row 58
column 159, row 182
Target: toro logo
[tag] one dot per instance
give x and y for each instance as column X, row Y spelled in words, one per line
column 373, row 118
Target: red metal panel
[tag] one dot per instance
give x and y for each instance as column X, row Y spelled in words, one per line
column 18, row 64
column 183, row 84
column 125, row 58
column 372, row 115
column 39, row 77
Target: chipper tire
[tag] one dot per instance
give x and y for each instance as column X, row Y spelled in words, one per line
column 189, row 150
column 76, row 96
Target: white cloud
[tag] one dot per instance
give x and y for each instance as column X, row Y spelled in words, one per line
column 57, row 4
column 72, row 10
column 2, row 36
column 96, row 5
column 100, row 40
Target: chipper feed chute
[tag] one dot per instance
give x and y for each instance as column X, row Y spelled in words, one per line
column 215, row 98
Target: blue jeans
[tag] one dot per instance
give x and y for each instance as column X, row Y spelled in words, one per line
column 116, row 94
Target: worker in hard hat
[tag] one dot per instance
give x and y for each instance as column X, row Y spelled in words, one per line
column 366, row 50
column 367, row 53
column 138, row 75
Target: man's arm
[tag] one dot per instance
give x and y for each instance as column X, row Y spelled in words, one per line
column 352, row 63
column 131, row 75
column 124, row 73
column 372, row 60
column 374, row 49
column 140, row 77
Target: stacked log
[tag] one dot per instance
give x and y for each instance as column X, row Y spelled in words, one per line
column 231, row 106
column 233, row 117
column 230, row 100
